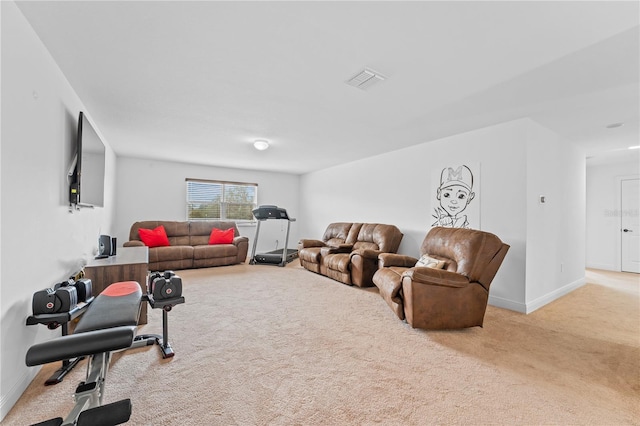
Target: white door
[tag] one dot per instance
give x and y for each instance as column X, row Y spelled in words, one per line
column 630, row 221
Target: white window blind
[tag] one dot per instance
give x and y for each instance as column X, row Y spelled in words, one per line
column 209, row 199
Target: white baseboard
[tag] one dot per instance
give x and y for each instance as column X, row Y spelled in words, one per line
column 527, row 308
column 499, row 302
column 603, row 266
column 9, row 399
column 556, row 294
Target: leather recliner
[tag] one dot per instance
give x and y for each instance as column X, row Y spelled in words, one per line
column 348, row 252
column 452, row 297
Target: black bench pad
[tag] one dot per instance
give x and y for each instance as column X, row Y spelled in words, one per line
column 75, row 345
column 117, row 305
column 108, row 325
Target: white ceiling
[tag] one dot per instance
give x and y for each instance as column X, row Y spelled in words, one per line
column 199, row 81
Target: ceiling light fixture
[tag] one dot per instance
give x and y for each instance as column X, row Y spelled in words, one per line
column 635, row 147
column 260, row 144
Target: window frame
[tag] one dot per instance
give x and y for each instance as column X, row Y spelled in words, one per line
column 223, row 203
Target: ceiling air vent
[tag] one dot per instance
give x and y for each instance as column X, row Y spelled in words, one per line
column 365, row 79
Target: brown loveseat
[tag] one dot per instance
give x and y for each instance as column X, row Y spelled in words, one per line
column 189, row 245
column 348, row 252
column 454, row 296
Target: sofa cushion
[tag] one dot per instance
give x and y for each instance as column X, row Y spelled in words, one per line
column 337, row 262
column 200, row 230
column 156, row 237
column 218, row 236
column 430, row 262
column 377, row 236
column 310, row 258
column 163, row 254
column 337, row 233
column 310, row 254
column 337, row 267
column 215, row 255
column 178, row 232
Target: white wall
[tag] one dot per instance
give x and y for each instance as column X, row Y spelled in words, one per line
column 42, row 243
column 603, row 207
column 556, row 228
column 156, row 190
column 383, row 189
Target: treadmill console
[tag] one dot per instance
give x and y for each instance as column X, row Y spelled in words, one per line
column 270, row 212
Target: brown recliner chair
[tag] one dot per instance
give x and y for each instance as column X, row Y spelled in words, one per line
column 348, row 252
column 452, row 297
column 336, row 235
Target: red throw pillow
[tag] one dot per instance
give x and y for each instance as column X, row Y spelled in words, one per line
column 154, row 237
column 218, row 236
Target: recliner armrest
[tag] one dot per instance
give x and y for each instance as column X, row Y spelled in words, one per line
column 386, row 260
column 439, row 277
column 304, row 243
column 366, row 253
column 342, row 248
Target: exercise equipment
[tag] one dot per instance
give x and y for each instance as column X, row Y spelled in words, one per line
column 275, row 257
column 164, row 291
column 109, row 324
column 165, row 285
column 57, row 307
column 53, row 321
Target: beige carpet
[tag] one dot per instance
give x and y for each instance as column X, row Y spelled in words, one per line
column 263, row 345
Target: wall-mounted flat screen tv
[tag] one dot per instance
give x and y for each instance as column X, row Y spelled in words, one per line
column 87, row 178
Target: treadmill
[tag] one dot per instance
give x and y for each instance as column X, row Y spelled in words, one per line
column 278, row 257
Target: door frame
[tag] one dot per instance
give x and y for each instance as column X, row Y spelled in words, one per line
column 618, row 201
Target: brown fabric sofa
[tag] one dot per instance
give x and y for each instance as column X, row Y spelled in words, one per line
column 453, row 297
column 348, row 252
column 189, row 245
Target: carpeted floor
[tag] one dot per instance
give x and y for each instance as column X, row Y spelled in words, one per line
column 263, row 345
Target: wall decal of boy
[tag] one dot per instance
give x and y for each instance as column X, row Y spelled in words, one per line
column 453, row 197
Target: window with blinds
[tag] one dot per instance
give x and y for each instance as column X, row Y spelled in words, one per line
column 209, row 199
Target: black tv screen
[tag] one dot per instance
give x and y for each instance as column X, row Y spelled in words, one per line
column 87, row 183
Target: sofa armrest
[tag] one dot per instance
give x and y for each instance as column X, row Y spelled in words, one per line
column 364, row 264
column 304, row 243
column 386, row 260
column 438, row 277
column 242, row 243
column 341, row 248
column 240, row 239
column 366, row 253
column 133, row 243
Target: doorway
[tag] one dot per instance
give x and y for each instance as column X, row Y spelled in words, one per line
column 630, row 225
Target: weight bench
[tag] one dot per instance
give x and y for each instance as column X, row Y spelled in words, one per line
column 108, row 325
column 53, row 321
